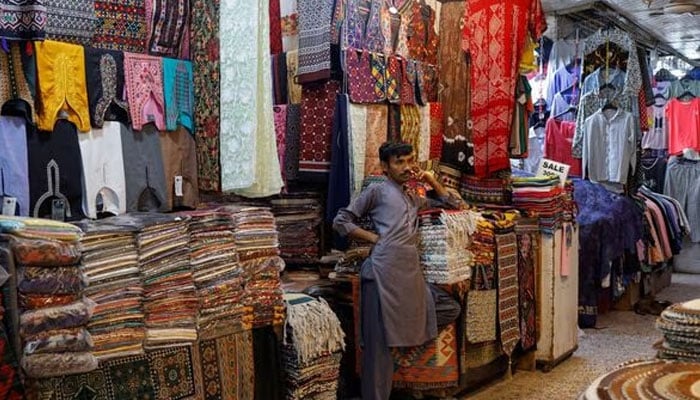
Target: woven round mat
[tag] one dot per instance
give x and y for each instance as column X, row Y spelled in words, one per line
column 647, row 380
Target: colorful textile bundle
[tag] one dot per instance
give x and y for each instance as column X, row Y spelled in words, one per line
column 258, row 253
column 313, row 345
column 495, row 190
column 36, row 228
column 217, row 274
column 445, row 237
column 680, row 324
column 170, row 301
column 646, row 380
column 53, row 334
column 111, row 268
column 541, row 197
column 298, row 221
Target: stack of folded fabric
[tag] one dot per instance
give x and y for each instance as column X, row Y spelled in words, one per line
column 298, row 220
column 312, row 350
column 217, row 274
column 540, row 197
column 445, row 238
column 495, row 190
column 258, row 253
column 170, row 300
column 680, row 325
column 53, row 312
column 352, row 260
column 110, row 263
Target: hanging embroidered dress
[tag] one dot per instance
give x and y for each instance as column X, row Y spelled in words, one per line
column 249, row 161
column 494, row 35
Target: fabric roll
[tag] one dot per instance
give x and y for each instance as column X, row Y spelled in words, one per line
column 247, row 126
column 425, row 139
column 205, row 58
column 411, row 126
column 436, row 130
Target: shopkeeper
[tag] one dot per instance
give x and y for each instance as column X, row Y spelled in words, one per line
column 398, row 307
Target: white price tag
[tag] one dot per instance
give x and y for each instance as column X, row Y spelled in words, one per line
column 9, row 205
column 178, row 186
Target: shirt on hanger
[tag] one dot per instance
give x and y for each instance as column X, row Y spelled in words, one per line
column 609, row 146
column 562, row 79
column 558, row 138
column 560, row 104
column 596, row 79
column 683, row 125
column 657, row 136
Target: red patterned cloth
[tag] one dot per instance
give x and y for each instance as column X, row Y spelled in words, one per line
column 436, row 131
column 408, row 81
column 280, row 115
column 393, row 79
column 360, row 80
column 275, row 27
column 317, row 106
column 495, row 54
column 643, row 111
column 422, row 38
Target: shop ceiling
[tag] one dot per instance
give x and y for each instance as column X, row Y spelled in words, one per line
column 671, row 26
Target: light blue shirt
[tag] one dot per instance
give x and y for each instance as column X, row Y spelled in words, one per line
column 609, row 146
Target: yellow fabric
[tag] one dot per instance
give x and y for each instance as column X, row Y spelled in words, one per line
column 527, row 59
column 62, row 88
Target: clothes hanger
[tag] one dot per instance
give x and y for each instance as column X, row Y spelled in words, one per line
column 687, row 95
column 568, row 110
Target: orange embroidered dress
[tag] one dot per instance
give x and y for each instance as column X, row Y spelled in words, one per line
column 494, row 36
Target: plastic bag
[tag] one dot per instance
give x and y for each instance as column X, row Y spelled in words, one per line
column 59, row 341
column 64, row 317
column 41, row 280
column 46, row 253
column 30, row 301
column 51, row 365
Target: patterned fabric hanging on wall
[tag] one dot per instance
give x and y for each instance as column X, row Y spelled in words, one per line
column 204, row 37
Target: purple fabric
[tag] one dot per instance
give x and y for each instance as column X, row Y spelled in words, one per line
column 609, row 225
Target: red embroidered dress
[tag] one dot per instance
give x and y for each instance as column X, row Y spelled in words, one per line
column 494, row 36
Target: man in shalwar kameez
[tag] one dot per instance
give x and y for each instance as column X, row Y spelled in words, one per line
column 398, row 307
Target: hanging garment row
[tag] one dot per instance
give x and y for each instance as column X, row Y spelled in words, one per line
column 66, row 89
column 157, row 27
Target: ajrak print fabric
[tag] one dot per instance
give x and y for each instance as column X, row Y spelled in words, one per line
column 204, row 37
column 317, row 106
column 408, row 81
column 280, row 133
column 249, row 162
column 72, row 21
column 494, row 34
column 292, row 141
column 436, row 130
column 22, row 19
column 167, row 21
column 393, row 79
column 275, row 27
column 528, row 238
column 314, row 40
column 121, row 25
